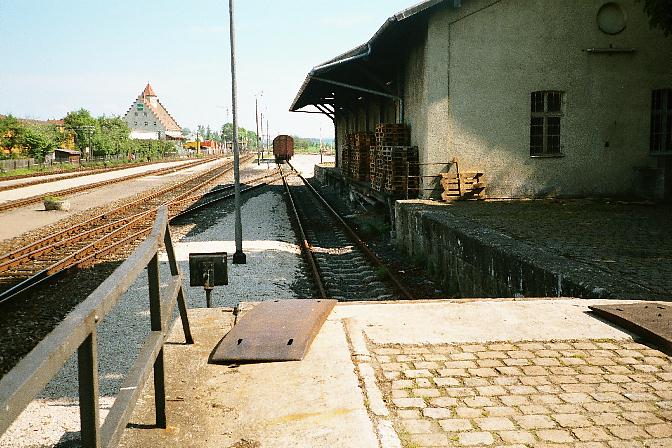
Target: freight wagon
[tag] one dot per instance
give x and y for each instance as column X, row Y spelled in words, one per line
column 283, row 148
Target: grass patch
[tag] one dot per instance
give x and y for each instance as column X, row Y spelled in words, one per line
column 50, row 198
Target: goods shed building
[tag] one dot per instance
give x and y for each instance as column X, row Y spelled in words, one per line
column 563, row 97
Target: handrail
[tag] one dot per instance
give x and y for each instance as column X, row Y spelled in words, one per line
column 77, row 332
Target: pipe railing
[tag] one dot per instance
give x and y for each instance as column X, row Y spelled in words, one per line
column 77, row 333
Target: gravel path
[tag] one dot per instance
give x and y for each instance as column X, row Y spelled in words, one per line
column 274, row 270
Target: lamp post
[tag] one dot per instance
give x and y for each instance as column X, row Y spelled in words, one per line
column 239, row 256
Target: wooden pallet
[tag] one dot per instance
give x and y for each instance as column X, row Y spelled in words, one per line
column 462, row 186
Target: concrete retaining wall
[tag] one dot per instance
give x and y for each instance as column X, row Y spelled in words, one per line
column 470, row 260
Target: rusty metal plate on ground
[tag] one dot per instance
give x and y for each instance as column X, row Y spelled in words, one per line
column 281, row 330
column 652, row 321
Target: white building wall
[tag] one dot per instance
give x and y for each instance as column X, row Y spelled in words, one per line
column 143, row 122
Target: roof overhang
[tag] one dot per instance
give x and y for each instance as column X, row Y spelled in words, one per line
column 363, row 71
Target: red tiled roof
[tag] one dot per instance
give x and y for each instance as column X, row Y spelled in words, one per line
column 159, row 110
column 164, row 117
column 148, row 91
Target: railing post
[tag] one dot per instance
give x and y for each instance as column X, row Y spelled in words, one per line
column 87, row 366
column 181, row 300
column 155, row 313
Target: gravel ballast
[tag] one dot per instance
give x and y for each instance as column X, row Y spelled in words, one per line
column 274, row 270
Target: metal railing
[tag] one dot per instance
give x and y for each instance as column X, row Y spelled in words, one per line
column 77, row 332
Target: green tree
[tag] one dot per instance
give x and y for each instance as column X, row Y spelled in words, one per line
column 111, row 136
column 243, row 134
column 227, row 132
column 660, row 14
column 201, row 132
column 84, row 126
column 40, row 141
column 12, row 133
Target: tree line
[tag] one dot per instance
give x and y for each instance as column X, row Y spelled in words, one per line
column 104, row 136
column 224, row 134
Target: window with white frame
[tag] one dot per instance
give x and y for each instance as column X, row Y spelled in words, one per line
column 545, row 119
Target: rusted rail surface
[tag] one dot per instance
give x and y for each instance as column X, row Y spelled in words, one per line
column 305, row 245
column 65, row 175
column 68, row 191
column 353, row 236
column 78, row 333
column 73, row 233
column 76, row 248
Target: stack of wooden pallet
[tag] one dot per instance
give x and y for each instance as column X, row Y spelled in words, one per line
column 462, row 185
column 393, row 160
column 375, row 167
column 393, row 134
column 360, row 156
column 346, row 156
column 398, row 171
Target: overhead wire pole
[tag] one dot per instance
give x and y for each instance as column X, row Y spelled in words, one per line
column 239, row 256
column 256, row 117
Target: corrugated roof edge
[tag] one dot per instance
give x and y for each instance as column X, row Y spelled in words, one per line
column 365, row 49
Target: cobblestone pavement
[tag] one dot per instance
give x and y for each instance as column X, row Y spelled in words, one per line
column 592, row 394
column 631, row 241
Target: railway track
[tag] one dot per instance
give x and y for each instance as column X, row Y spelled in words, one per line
column 84, row 244
column 29, row 316
column 68, row 191
column 36, row 178
column 341, row 264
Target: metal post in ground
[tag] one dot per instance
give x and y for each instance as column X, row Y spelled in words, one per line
column 256, row 117
column 238, row 256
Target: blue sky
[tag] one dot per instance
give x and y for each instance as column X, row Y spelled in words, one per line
column 58, row 56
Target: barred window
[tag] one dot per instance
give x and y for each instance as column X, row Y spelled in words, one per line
column 546, row 115
column 661, row 121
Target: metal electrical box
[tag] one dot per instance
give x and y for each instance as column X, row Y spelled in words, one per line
column 208, row 265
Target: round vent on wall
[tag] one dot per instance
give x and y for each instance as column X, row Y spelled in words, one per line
column 611, row 18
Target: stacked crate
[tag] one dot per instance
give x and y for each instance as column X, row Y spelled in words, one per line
column 360, row 155
column 375, row 167
column 397, row 164
column 346, row 156
column 393, row 135
column 394, row 160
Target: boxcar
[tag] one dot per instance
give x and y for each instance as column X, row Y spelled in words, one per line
column 283, row 148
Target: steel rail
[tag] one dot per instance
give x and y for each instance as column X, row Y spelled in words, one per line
column 305, row 245
column 69, row 191
column 77, row 228
column 201, row 206
column 220, row 189
column 358, row 241
column 88, row 255
column 15, row 262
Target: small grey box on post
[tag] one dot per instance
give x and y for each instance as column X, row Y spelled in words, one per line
column 208, row 270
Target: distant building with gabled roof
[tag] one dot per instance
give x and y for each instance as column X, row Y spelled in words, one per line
column 148, row 119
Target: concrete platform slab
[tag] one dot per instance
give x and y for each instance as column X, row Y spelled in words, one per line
column 442, row 322
column 351, row 391
column 312, row 403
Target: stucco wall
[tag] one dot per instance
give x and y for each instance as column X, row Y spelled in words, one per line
column 483, row 60
column 131, row 119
